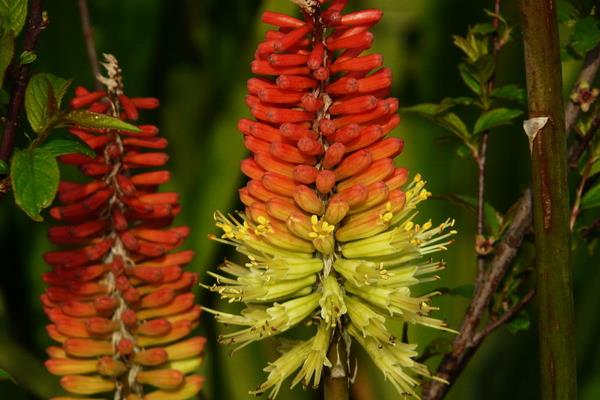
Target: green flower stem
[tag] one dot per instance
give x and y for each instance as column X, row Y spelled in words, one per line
column 550, row 202
column 336, row 380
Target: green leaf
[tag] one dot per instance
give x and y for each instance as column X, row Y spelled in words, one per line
column 469, row 79
column 88, row 119
column 595, row 167
column 483, row 28
column 483, row 68
column 463, row 151
column 474, row 46
column 519, row 322
column 35, row 176
column 436, row 347
column 13, row 13
column 494, row 118
column 27, row 57
column 453, row 123
column 4, row 97
column 592, row 198
column 565, row 10
column 450, row 102
column 465, row 291
column 492, row 218
column 511, row 93
column 586, row 35
column 5, row 376
column 424, row 109
column 59, row 145
column 43, row 97
column 3, row 167
column 446, row 120
column 7, row 48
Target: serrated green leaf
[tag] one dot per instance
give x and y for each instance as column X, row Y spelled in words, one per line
column 35, row 176
column 469, row 79
column 453, row 123
column 43, row 97
column 13, row 13
column 3, row 167
column 586, row 34
column 511, row 93
column 90, row 119
column 591, row 199
column 483, row 68
column 446, row 120
column 450, row 102
column 519, row 322
column 59, row 145
column 27, row 57
column 5, row 376
column 494, row 118
column 7, row 48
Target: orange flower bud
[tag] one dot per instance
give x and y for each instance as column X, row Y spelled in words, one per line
column 161, row 378
column 108, row 366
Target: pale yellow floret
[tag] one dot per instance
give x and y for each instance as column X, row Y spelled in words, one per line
column 320, row 228
column 263, row 227
column 364, row 279
column 387, row 216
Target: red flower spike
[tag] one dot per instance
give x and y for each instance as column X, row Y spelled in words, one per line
column 322, row 113
column 325, row 212
column 115, row 291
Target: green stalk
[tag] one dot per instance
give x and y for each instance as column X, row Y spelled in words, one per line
column 550, row 202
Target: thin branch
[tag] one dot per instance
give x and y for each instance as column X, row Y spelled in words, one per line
column 579, row 194
column 588, row 74
column 34, row 25
column 481, row 158
column 588, row 231
column 90, row 44
column 575, row 152
column 504, row 318
column 464, row 346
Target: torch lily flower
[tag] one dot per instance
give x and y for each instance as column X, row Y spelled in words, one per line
column 329, row 228
column 118, row 298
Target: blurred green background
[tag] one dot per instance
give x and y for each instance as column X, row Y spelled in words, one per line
column 194, row 55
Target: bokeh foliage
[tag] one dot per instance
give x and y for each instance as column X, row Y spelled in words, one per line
column 194, row 55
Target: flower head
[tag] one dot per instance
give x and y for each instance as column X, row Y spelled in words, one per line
column 584, row 96
column 329, row 227
column 118, row 299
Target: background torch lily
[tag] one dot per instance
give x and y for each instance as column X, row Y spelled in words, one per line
column 328, row 228
column 119, row 302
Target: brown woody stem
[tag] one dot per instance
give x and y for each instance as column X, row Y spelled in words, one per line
column 34, row 25
column 556, row 329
